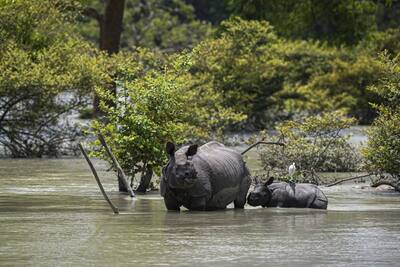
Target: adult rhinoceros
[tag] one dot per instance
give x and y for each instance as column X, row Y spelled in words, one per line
column 287, row 195
column 208, row 177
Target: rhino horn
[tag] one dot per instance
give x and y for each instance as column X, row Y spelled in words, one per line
column 192, row 150
column 270, row 181
column 170, row 148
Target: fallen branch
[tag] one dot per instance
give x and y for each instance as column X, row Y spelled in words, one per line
column 348, row 179
column 262, row 142
column 121, row 173
column 114, row 208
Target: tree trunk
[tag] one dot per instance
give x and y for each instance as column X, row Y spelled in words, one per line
column 110, row 24
column 111, row 28
column 145, row 180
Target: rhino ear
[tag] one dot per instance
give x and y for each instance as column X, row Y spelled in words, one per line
column 192, row 150
column 270, row 181
column 170, row 148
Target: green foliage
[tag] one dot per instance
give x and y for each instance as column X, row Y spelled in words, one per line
column 269, row 78
column 338, row 22
column 379, row 42
column 45, row 73
column 343, row 87
column 169, row 26
column 155, row 105
column 314, row 143
column 241, row 64
column 209, row 10
column 382, row 154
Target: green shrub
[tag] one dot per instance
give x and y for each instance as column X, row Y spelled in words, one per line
column 343, row 86
column 241, row 65
column 269, row 78
column 46, row 72
column 314, row 144
column 155, row 105
column 382, row 154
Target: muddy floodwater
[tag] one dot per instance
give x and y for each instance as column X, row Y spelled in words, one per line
column 52, row 214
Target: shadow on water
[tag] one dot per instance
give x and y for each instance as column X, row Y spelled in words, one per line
column 52, row 213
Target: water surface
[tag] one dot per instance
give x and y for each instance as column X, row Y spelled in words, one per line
column 52, row 213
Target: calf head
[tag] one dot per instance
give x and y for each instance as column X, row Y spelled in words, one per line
column 261, row 195
column 180, row 171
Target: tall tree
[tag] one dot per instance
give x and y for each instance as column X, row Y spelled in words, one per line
column 110, row 27
column 168, row 26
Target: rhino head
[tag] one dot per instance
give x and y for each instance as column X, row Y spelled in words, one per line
column 180, row 171
column 261, row 195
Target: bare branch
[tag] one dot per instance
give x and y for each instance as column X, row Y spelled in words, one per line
column 114, row 208
column 261, row 142
column 121, row 173
column 348, row 179
column 93, row 13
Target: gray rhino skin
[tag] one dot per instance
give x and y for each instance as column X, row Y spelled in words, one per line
column 205, row 178
column 287, row 195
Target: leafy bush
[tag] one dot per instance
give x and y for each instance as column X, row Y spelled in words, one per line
column 269, row 78
column 343, row 86
column 314, row 143
column 382, row 154
column 155, row 105
column 241, row 64
column 337, row 22
column 379, row 42
column 45, row 73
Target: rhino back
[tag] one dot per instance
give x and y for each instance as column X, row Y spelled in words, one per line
column 220, row 171
column 298, row 195
column 226, row 166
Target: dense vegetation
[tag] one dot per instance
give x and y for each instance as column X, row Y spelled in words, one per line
column 46, row 72
column 157, row 100
column 184, row 70
column 315, row 144
column 382, row 153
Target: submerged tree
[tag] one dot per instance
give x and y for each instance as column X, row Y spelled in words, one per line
column 46, row 71
column 155, row 104
column 382, row 154
column 315, row 144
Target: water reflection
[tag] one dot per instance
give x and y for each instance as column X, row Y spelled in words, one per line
column 51, row 213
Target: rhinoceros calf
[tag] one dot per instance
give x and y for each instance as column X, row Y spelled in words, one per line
column 204, row 178
column 287, row 195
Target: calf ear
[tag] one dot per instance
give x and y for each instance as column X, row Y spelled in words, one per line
column 270, row 181
column 192, row 150
column 170, row 148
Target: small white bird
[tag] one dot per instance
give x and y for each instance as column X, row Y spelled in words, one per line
column 292, row 169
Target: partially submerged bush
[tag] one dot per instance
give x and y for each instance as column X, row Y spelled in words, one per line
column 45, row 73
column 314, row 144
column 382, row 154
column 155, row 105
